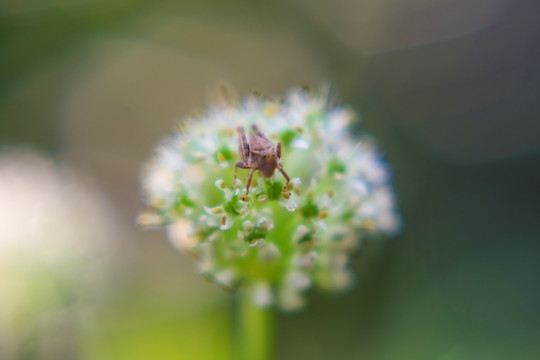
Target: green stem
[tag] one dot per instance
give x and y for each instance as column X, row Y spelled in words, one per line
column 255, row 329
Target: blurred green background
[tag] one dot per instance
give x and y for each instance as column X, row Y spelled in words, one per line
column 451, row 89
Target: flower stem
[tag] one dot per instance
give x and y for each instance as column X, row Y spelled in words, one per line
column 255, row 329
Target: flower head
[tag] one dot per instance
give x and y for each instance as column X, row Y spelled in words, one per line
column 277, row 241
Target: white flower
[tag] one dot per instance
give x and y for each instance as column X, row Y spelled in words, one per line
column 288, row 240
column 57, row 236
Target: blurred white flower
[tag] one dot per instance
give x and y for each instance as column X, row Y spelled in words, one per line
column 57, row 236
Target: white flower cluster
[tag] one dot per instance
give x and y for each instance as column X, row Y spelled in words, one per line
column 277, row 243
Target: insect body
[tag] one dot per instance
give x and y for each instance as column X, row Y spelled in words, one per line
column 259, row 154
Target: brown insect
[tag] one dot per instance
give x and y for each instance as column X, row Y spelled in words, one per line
column 259, row 154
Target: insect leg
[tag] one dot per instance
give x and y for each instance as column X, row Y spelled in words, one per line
column 278, row 150
column 260, row 133
column 241, row 165
column 249, row 180
column 285, row 175
column 243, row 145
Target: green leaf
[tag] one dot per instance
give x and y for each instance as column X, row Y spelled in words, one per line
column 337, row 166
column 287, row 136
column 231, row 206
column 309, row 209
column 273, row 189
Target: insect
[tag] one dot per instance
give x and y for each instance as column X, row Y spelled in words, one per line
column 259, row 154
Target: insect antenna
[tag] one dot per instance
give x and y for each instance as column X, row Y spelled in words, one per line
column 183, row 126
column 228, row 95
column 330, row 97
